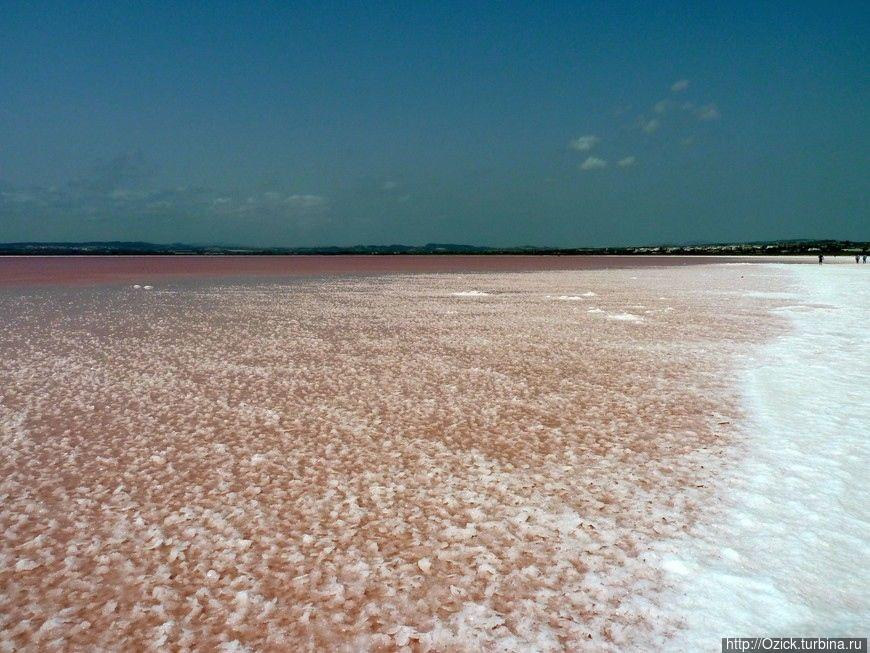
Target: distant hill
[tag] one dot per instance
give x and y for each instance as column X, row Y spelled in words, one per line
column 780, row 247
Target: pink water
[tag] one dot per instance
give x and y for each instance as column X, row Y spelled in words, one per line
column 17, row 270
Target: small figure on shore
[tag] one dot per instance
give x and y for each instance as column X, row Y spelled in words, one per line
column 857, row 258
column 864, row 258
column 821, row 258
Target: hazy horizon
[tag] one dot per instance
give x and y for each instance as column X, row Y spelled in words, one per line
column 560, row 126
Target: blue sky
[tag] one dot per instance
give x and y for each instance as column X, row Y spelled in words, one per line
column 561, row 124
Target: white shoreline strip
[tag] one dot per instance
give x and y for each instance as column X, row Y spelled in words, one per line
column 792, row 555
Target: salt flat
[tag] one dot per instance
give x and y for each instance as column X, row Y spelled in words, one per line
column 489, row 460
column 786, row 549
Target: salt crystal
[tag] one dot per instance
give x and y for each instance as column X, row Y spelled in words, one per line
column 26, row 565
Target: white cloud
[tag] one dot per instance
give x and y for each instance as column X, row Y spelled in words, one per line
column 584, row 143
column 649, row 126
column 390, row 185
column 268, row 204
column 122, row 194
column 708, row 112
column 626, row 162
column 126, row 199
column 593, row 163
column 680, row 85
column 703, row 112
column 661, row 106
column 305, row 201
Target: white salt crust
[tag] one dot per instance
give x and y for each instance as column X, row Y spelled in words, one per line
column 787, row 552
column 363, row 463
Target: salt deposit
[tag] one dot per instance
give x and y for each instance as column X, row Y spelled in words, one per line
column 625, row 317
column 788, row 551
column 364, row 463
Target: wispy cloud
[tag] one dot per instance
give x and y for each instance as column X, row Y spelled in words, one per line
column 122, row 191
column 662, row 106
column 273, row 205
column 305, row 201
column 593, row 163
column 671, row 115
column 651, row 125
column 703, row 112
column 124, row 172
column 584, row 143
column 708, row 112
column 389, row 185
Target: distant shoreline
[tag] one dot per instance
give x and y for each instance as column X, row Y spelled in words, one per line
column 116, row 248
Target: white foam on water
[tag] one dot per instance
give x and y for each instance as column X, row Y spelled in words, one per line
column 790, row 553
column 470, row 293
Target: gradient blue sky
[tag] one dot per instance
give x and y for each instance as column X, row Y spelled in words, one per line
column 342, row 123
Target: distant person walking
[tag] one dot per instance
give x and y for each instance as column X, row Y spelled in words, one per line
column 821, row 258
column 865, row 258
column 857, row 258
